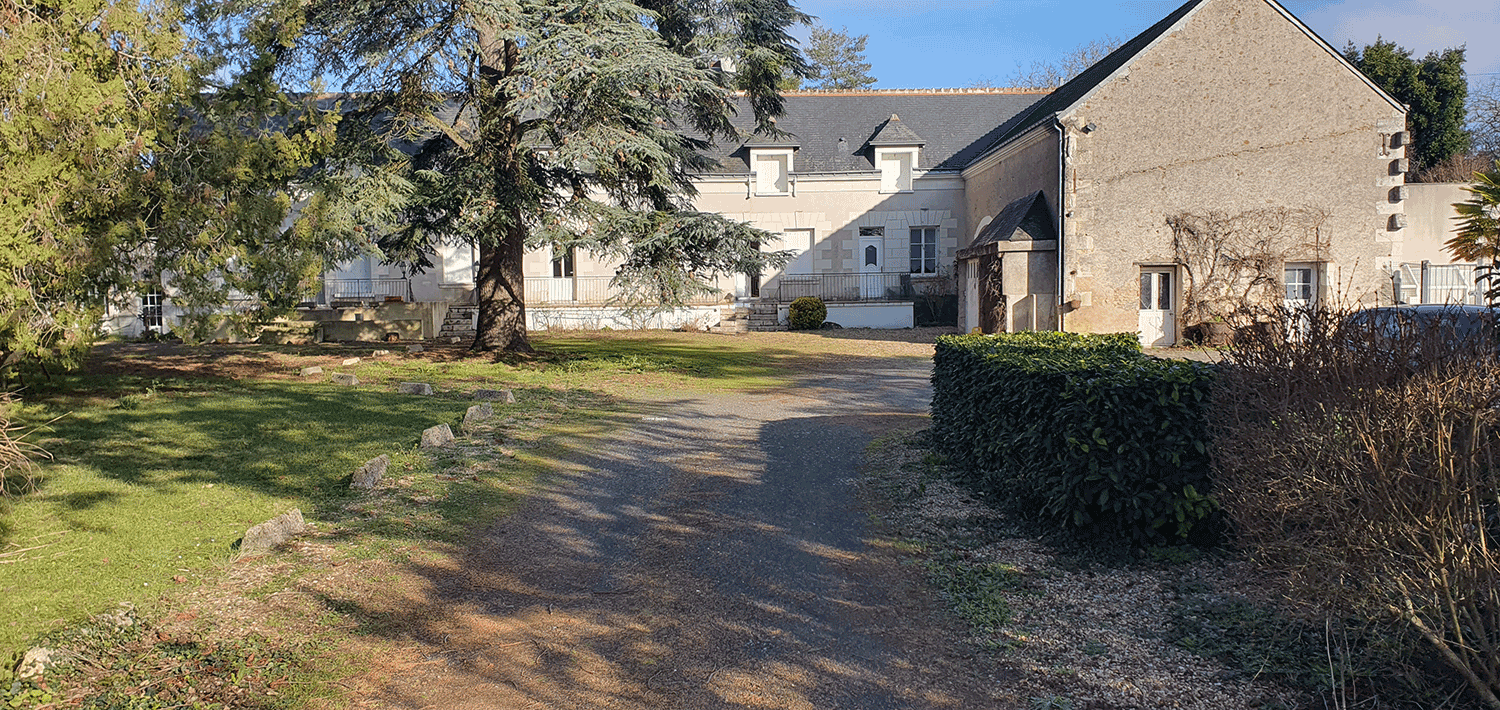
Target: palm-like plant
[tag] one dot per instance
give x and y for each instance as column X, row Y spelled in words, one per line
column 1478, row 238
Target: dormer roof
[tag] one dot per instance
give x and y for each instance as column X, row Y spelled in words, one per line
column 895, row 133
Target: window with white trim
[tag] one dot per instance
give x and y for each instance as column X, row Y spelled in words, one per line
column 151, row 310
column 896, row 168
column 562, row 265
column 773, row 169
column 924, row 250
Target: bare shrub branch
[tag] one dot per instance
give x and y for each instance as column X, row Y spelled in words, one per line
column 1233, row 263
column 17, row 456
column 1362, row 466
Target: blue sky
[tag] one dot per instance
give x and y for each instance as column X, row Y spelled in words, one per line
column 953, row 43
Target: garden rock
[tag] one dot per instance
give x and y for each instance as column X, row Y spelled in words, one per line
column 351, row 361
column 414, row 349
column 344, row 378
column 414, row 388
column 494, row 396
column 477, row 414
column 273, row 532
column 437, row 437
column 34, row 662
column 309, row 371
column 380, row 353
column 368, row 475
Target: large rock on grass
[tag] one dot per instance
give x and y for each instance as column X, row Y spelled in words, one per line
column 437, row 437
column 343, row 378
column 420, row 388
column 494, row 396
column 273, row 532
column 368, row 476
column 478, row 414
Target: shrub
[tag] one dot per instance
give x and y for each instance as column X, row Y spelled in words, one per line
column 807, row 313
column 1083, row 430
column 1363, row 475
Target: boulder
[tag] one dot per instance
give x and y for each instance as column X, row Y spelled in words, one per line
column 414, row 349
column 33, row 663
column 414, row 388
column 477, row 414
column 273, row 532
column 343, row 378
column 350, row 361
column 368, row 475
column 309, row 371
column 437, row 437
column 380, row 353
column 494, row 396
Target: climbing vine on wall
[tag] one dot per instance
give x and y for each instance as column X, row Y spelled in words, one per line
column 1233, row 264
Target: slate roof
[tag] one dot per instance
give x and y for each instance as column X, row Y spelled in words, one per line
column 1026, row 219
column 895, row 132
column 1069, row 93
column 833, row 131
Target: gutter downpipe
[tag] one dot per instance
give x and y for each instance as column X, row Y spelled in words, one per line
column 1062, row 211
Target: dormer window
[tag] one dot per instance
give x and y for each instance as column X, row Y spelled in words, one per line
column 773, row 169
column 895, row 148
column 896, row 165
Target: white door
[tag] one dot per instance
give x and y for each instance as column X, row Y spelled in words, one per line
column 871, row 261
column 1158, row 321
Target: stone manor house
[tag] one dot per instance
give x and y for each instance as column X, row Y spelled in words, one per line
column 1018, row 210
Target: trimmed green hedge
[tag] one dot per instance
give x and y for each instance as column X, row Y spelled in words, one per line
column 1083, row 430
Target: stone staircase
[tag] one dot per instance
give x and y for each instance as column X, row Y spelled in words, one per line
column 458, row 325
column 748, row 317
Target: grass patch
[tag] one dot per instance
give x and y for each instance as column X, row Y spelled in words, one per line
column 159, row 484
column 108, row 665
column 975, row 591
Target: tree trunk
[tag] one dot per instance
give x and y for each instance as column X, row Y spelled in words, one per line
column 500, row 288
column 500, row 285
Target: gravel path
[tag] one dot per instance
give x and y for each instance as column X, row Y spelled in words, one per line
column 711, row 555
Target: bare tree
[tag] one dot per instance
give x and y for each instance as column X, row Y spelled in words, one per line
column 1484, row 117
column 1052, row 74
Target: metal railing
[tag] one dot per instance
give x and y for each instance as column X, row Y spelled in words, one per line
column 1424, row 282
column 584, row 291
column 365, row 290
column 856, row 288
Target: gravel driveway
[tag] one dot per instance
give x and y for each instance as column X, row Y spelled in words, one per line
column 713, row 554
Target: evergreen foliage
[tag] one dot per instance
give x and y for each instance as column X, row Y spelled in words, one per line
column 1434, row 88
column 838, row 60
column 576, row 123
column 1478, row 237
column 1082, row 431
column 128, row 169
column 807, row 313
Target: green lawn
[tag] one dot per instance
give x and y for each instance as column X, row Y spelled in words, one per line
column 159, row 469
column 148, row 487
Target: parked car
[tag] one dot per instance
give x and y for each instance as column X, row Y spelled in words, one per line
column 1427, row 333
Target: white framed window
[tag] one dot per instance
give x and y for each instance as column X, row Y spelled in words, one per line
column 1301, row 282
column 924, row 250
column 896, row 168
column 800, row 242
column 562, row 264
column 458, row 263
column 773, row 169
column 151, row 311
